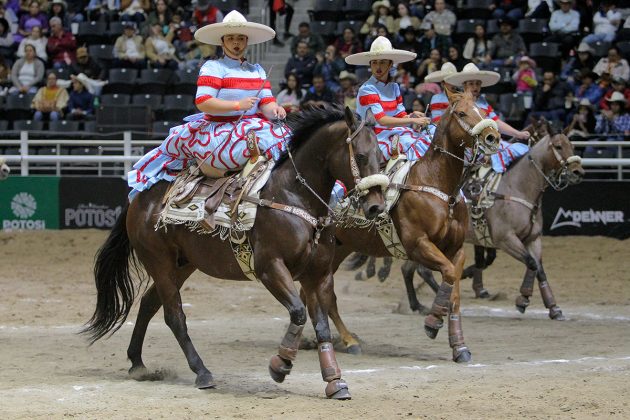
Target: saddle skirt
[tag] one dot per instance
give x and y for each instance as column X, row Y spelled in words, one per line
column 480, row 192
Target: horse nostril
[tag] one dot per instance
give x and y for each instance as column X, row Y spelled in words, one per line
column 490, row 138
column 374, row 210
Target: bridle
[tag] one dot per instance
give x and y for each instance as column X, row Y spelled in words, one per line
column 558, row 179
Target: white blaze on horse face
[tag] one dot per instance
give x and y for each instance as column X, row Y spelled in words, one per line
column 476, row 109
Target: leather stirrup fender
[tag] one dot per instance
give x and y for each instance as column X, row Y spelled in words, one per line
column 252, row 146
column 395, row 141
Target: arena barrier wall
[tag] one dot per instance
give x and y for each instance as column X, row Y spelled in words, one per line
column 28, row 203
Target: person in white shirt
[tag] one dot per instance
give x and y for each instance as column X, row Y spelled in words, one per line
column 564, row 26
column 36, row 39
column 443, row 20
column 606, row 21
column 539, row 9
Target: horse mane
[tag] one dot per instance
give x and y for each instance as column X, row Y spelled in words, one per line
column 304, row 123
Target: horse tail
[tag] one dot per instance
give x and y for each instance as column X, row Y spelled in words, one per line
column 113, row 266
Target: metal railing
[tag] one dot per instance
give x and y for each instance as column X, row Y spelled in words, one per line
column 125, row 150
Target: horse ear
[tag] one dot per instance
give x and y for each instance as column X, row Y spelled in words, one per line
column 450, row 94
column 350, row 118
column 566, row 130
column 369, row 118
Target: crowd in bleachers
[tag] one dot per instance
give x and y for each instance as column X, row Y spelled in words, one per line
column 62, row 60
column 565, row 60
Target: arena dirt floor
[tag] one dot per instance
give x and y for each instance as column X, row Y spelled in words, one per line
column 524, row 366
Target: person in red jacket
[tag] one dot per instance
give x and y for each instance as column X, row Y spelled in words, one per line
column 62, row 45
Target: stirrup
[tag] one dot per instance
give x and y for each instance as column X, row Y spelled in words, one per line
column 254, row 154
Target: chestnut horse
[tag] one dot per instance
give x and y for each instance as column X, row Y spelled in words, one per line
column 286, row 244
column 430, row 217
column 515, row 220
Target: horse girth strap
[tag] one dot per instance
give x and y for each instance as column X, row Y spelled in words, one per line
column 285, row 208
column 422, row 188
column 532, row 207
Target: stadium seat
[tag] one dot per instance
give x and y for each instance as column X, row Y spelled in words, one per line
column 92, row 33
column 492, row 28
column 153, row 101
column 185, row 82
column 624, row 48
column 115, row 99
column 18, row 107
column 512, row 107
column 113, row 118
column 227, row 6
column 121, row 81
column 546, row 55
column 89, row 126
column 357, row 9
column 326, row 10
column 532, row 30
column 154, row 81
column 354, row 24
column 600, row 49
column 63, row 126
column 28, row 125
column 102, row 53
column 476, row 9
column 324, row 28
column 115, row 30
column 62, row 73
column 465, row 29
column 4, row 125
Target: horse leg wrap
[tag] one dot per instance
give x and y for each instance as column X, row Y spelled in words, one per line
column 289, row 347
column 455, row 333
column 328, row 362
column 527, row 289
column 477, row 284
column 547, row 294
column 440, row 307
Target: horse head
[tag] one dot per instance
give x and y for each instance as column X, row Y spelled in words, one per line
column 472, row 126
column 537, row 129
column 4, row 169
column 558, row 160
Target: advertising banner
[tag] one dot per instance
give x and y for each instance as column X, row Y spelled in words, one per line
column 590, row 208
column 29, row 203
column 91, row 202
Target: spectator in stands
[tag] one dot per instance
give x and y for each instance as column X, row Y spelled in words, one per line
column 405, row 80
column 10, row 16
column 61, row 46
column 288, row 18
column 582, row 125
column 205, row 13
column 432, row 40
column 613, row 65
column 616, row 120
column 6, row 40
column 404, row 19
column 329, row 65
column 478, row 46
column 185, row 42
column 376, row 31
column 34, row 17
column 539, row 9
column 27, row 72
column 605, row 22
column 507, row 46
column 50, row 100
column 75, row 10
column 273, row 11
column 512, row 9
column 58, row 8
column 161, row 15
column 290, row 97
column 617, row 85
column 318, row 94
column 575, row 64
column 134, row 10
column 442, row 19
column 160, row 50
column 347, row 94
column 86, row 65
column 302, row 64
column 455, row 57
column 80, row 102
column 35, row 39
column 380, row 15
column 549, row 98
column 564, row 26
column 585, row 87
column 315, row 42
column 96, row 9
column 429, row 65
column 409, row 42
column 197, row 54
column 525, row 76
column 348, row 43
column 5, row 76
column 129, row 49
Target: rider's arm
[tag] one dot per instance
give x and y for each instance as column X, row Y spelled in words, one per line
column 508, row 130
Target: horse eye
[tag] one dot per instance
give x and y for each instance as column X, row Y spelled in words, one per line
column 361, row 159
column 462, row 114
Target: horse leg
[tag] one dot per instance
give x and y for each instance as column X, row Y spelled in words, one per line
column 514, row 247
column 427, row 276
column 384, row 271
column 320, row 298
column 461, row 353
column 545, row 290
column 475, row 271
column 352, row 344
column 278, row 280
column 527, row 289
column 408, row 270
column 370, row 270
column 149, row 305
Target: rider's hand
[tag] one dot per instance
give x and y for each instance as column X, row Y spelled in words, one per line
column 421, row 121
column 416, row 114
column 280, row 113
column 246, row 104
column 523, row 135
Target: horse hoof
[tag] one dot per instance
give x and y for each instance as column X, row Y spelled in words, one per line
column 279, row 368
column 359, row 276
column 483, row 294
column 522, row 303
column 462, row 355
column 354, row 349
column 205, row 381
column 521, row 309
column 337, row 389
column 138, row 372
column 555, row 313
column 431, row 332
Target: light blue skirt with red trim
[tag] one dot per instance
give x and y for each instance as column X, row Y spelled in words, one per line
column 222, row 145
column 508, row 153
column 414, row 144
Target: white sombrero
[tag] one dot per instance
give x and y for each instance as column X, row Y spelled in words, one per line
column 438, row 76
column 472, row 72
column 381, row 49
column 234, row 23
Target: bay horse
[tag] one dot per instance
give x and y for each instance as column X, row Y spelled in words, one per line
column 327, row 144
column 515, row 220
column 430, row 218
column 4, row 169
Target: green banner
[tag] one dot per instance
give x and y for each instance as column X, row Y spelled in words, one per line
column 29, row 203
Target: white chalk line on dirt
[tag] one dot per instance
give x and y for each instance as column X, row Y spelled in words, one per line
column 539, row 314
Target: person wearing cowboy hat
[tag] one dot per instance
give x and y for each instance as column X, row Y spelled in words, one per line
column 585, row 87
column 564, row 26
column 234, row 98
column 472, row 80
column 617, row 84
column 380, row 14
column 616, row 120
column 346, row 95
column 381, row 95
column 81, row 101
column 439, row 101
column 506, row 45
column 583, row 59
column 583, row 123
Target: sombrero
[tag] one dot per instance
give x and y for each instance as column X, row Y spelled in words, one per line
column 472, row 72
column 381, row 49
column 234, row 23
column 438, row 76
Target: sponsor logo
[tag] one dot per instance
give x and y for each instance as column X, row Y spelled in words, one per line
column 23, row 206
column 575, row 218
column 91, row 216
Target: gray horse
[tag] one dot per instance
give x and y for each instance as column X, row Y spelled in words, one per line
column 4, row 169
column 515, row 220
